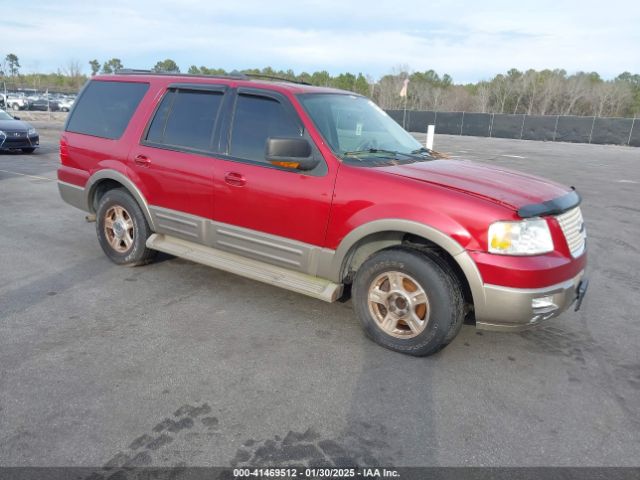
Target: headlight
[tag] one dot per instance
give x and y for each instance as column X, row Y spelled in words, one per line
column 32, row 132
column 526, row 237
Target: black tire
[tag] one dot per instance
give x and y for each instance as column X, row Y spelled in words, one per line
column 28, row 150
column 136, row 253
column 445, row 301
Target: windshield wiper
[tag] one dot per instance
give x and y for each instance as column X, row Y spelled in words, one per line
column 422, row 150
column 371, row 150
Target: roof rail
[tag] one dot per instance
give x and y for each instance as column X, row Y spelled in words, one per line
column 233, row 75
column 274, row 77
column 135, row 71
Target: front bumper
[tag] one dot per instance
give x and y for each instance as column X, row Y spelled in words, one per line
column 10, row 142
column 515, row 309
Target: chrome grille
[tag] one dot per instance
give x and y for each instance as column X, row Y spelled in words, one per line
column 573, row 228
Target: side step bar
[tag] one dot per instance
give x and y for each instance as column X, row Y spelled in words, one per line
column 246, row 267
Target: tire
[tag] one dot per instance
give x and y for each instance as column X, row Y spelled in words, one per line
column 28, row 150
column 122, row 229
column 396, row 279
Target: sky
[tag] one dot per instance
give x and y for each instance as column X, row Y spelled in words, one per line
column 469, row 40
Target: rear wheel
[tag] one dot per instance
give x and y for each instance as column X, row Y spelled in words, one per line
column 407, row 301
column 122, row 229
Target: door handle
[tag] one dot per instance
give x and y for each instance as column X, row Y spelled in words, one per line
column 142, row 160
column 234, row 179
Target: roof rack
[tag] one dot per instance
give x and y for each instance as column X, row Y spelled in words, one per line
column 233, row 75
column 274, row 77
column 135, row 71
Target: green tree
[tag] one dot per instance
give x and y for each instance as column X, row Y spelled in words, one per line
column 361, row 85
column 194, row 70
column 167, row 66
column 322, row 78
column 95, row 67
column 13, row 64
column 112, row 66
column 345, row 81
column 633, row 80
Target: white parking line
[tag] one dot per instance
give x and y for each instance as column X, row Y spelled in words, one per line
column 627, row 181
column 30, row 176
column 512, row 156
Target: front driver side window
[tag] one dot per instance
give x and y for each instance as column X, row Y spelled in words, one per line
column 256, row 119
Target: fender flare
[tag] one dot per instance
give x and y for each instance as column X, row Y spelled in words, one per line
column 109, row 174
column 335, row 268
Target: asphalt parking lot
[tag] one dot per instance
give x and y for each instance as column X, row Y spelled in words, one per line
column 177, row 363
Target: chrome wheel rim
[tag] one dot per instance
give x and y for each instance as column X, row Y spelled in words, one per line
column 118, row 228
column 398, row 304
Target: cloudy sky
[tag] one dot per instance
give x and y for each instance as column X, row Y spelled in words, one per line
column 469, row 40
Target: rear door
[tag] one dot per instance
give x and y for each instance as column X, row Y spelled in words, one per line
column 270, row 204
column 174, row 159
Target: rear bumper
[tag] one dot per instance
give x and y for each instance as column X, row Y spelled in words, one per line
column 515, row 309
column 73, row 195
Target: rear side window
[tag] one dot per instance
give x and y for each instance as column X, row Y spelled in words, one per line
column 105, row 108
column 255, row 120
column 185, row 119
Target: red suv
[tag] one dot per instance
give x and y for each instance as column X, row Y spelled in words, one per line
column 317, row 190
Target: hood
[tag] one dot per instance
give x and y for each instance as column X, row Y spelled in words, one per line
column 14, row 126
column 507, row 187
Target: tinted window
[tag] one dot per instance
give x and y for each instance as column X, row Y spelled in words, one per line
column 186, row 119
column 255, row 120
column 105, row 108
column 156, row 130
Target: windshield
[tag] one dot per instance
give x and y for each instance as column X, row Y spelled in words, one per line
column 356, row 128
column 5, row 116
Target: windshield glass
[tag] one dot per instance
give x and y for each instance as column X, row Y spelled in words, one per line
column 5, row 116
column 356, row 128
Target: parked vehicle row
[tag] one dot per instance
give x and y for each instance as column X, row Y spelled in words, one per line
column 46, row 102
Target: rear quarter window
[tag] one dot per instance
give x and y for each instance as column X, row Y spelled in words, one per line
column 104, row 109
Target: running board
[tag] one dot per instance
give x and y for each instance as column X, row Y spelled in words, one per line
column 246, row 267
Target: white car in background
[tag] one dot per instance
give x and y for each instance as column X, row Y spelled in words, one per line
column 17, row 102
column 65, row 104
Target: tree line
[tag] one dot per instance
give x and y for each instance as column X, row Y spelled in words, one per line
column 533, row 92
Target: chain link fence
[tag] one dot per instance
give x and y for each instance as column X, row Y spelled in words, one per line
column 551, row 128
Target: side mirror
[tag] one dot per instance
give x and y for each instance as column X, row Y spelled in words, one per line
column 291, row 152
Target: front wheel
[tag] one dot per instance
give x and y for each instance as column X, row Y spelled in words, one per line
column 122, row 229
column 407, row 301
column 28, row 150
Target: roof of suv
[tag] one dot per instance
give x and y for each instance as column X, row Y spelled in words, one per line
column 231, row 80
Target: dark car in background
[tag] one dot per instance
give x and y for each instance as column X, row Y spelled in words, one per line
column 17, row 135
column 44, row 105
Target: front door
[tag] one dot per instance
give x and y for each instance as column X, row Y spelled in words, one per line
column 272, row 206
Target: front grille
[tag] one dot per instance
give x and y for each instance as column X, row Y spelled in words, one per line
column 573, row 228
column 11, row 135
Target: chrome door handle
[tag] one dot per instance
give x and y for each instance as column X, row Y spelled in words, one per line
column 234, row 179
